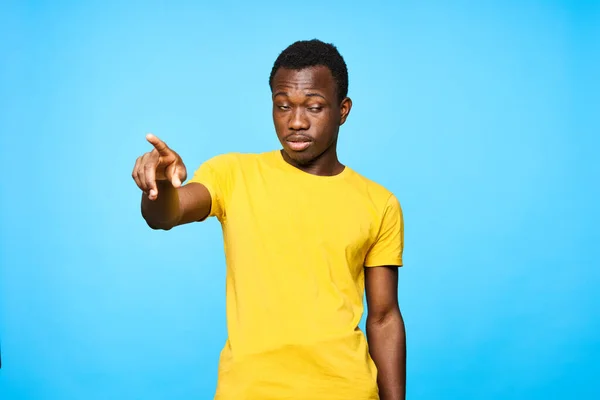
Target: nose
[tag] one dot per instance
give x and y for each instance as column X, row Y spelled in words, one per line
column 298, row 120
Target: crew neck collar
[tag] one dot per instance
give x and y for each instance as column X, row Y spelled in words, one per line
column 298, row 171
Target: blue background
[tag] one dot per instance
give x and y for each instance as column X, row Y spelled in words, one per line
column 481, row 116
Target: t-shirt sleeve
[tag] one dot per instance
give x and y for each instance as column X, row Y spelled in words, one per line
column 389, row 244
column 215, row 175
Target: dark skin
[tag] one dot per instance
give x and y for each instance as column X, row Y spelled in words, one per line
column 307, row 114
column 385, row 331
column 307, row 108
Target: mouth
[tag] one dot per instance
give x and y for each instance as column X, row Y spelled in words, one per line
column 298, row 142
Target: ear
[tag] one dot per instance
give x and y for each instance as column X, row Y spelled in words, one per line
column 345, row 108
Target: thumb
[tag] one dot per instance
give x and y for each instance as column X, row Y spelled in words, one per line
column 173, row 174
column 176, row 180
column 179, row 174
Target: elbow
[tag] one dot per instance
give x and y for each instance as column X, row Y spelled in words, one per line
column 157, row 225
column 154, row 221
column 391, row 316
column 388, row 326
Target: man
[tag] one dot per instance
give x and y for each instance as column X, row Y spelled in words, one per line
column 304, row 237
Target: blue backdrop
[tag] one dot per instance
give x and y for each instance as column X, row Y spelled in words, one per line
column 482, row 118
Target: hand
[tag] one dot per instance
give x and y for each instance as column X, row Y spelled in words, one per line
column 160, row 164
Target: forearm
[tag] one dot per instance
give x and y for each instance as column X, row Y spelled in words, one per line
column 164, row 212
column 387, row 346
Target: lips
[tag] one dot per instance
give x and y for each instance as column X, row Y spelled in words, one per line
column 298, row 142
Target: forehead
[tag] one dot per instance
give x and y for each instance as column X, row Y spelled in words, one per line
column 314, row 78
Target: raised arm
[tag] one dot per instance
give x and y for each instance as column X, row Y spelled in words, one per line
column 385, row 331
column 165, row 203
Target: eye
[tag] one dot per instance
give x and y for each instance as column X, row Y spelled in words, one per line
column 315, row 109
column 283, row 107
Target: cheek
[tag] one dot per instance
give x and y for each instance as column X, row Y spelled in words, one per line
column 325, row 126
column 280, row 124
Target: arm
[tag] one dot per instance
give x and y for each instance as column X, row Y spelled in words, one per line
column 176, row 206
column 162, row 171
column 385, row 331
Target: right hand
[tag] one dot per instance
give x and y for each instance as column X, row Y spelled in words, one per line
column 160, row 164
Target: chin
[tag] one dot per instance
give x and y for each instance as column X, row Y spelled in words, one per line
column 300, row 157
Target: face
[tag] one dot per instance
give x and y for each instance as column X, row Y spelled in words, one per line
column 307, row 114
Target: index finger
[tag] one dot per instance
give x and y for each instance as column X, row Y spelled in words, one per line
column 158, row 144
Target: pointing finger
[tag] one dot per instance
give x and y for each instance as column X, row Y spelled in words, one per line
column 158, row 144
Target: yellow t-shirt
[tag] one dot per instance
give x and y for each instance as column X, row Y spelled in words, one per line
column 295, row 247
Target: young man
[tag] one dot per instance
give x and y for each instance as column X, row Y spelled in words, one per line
column 304, row 237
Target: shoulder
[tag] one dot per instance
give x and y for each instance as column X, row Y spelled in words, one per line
column 379, row 195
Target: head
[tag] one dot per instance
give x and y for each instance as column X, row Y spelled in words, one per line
column 309, row 86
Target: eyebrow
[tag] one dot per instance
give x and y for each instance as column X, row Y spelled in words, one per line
column 310, row 94
column 315, row 95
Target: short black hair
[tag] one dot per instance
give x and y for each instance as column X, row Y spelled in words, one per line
column 311, row 53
